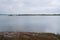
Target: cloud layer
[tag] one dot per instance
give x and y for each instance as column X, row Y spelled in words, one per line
column 29, row 6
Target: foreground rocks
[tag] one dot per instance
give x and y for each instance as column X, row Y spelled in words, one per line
column 28, row 36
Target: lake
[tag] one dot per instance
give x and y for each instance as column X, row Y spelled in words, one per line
column 30, row 23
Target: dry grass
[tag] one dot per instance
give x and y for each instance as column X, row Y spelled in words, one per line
column 28, row 36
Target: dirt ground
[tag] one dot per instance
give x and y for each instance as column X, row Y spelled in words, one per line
column 28, row 36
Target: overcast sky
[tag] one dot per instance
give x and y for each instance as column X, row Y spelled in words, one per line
column 29, row 6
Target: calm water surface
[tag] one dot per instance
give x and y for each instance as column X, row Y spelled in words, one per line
column 30, row 23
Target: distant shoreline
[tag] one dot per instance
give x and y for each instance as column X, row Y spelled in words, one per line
column 30, row 14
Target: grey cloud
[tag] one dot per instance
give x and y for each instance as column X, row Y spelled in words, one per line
column 26, row 6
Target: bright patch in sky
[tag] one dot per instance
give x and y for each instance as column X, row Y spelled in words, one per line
column 29, row 6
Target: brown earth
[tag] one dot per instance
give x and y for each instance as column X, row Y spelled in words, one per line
column 28, row 36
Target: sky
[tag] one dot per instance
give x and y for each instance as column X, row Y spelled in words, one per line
column 29, row 6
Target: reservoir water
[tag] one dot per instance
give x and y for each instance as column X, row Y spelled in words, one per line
column 30, row 23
